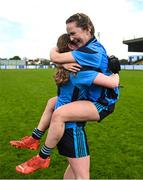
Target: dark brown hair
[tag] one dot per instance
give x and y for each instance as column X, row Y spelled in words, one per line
column 62, row 75
column 82, row 21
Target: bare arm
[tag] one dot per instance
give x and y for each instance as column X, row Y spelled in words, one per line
column 111, row 81
column 59, row 58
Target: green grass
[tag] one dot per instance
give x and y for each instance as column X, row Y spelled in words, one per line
column 116, row 146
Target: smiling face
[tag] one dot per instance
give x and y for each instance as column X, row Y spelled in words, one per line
column 78, row 35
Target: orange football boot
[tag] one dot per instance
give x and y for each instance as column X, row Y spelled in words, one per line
column 33, row 165
column 27, row 142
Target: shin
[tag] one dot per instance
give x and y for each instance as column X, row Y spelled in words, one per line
column 55, row 132
column 47, row 114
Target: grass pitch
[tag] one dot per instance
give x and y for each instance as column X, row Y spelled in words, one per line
column 116, row 146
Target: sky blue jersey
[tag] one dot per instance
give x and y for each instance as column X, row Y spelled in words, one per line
column 94, row 55
column 68, row 93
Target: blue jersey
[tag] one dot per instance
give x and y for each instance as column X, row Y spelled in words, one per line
column 68, row 93
column 93, row 54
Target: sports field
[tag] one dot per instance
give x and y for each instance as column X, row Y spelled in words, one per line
column 116, row 144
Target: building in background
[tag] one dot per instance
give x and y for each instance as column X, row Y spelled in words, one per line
column 135, row 48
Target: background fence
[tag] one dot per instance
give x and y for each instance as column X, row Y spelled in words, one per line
column 124, row 67
column 132, row 67
column 26, row 66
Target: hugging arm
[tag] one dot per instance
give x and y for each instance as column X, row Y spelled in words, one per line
column 60, row 58
column 111, row 81
column 69, row 63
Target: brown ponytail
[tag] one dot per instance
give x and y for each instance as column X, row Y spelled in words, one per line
column 62, row 75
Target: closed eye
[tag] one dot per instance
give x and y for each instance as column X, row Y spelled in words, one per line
column 71, row 34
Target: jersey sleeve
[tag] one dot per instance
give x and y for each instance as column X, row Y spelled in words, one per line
column 83, row 78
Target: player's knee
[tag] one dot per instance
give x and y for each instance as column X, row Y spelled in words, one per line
column 50, row 104
column 58, row 116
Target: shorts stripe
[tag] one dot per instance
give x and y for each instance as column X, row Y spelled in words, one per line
column 81, row 143
column 84, row 143
column 75, row 142
column 100, row 107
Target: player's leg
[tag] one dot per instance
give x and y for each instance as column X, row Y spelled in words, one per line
column 75, row 111
column 69, row 174
column 46, row 116
column 80, row 167
column 74, row 146
column 33, row 142
column 86, row 110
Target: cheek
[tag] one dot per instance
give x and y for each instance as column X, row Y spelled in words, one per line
column 77, row 36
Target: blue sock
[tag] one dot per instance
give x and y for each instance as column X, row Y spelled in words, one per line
column 45, row 152
column 37, row 134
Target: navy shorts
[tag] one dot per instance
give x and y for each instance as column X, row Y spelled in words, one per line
column 104, row 110
column 74, row 143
